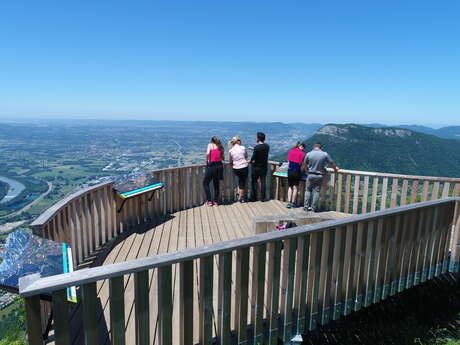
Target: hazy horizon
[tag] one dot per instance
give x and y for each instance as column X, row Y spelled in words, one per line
column 27, row 119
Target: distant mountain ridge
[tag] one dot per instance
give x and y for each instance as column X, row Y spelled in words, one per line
column 449, row 132
column 387, row 149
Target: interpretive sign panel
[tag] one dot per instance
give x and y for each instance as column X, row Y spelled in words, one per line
column 25, row 254
column 131, row 185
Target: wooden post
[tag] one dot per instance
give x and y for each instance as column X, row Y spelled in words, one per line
column 273, row 290
column 186, row 303
column 141, row 304
column 205, row 306
column 224, row 297
column 164, row 306
column 89, row 306
column 34, row 320
column 117, row 310
column 241, row 286
column 61, row 318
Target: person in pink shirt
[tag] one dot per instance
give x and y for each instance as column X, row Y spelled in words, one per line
column 238, row 157
column 295, row 159
column 214, row 170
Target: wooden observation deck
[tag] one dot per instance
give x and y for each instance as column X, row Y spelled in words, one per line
column 166, row 270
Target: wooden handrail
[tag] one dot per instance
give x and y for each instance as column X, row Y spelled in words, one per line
column 46, row 216
column 86, row 276
column 380, row 174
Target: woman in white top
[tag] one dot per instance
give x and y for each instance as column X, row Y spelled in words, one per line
column 238, row 157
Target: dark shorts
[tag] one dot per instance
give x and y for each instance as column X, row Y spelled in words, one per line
column 242, row 176
column 293, row 178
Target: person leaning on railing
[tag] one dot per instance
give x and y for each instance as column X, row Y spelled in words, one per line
column 295, row 159
column 315, row 164
column 214, row 170
column 259, row 161
column 238, row 158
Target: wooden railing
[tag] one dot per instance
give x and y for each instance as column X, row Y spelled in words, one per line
column 93, row 216
column 284, row 282
column 90, row 218
column 85, row 220
column 359, row 192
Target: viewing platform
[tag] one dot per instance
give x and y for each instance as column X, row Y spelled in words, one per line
column 161, row 268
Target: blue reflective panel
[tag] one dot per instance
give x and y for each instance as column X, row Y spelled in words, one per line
column 26, row 254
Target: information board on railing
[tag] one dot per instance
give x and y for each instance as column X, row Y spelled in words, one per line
column 134, row 184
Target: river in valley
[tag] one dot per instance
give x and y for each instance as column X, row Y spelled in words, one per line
column 15, row 189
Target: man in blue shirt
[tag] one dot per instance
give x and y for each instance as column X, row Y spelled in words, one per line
column 316, row 161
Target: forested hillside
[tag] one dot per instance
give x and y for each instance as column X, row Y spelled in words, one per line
column 388, row 149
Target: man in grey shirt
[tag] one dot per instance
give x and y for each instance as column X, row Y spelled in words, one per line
column 316, row 161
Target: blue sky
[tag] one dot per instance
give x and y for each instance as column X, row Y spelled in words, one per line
column 310, row 61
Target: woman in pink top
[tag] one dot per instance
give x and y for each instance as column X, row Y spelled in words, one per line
column 295, row 159
column 214, row 170
column 238, row 157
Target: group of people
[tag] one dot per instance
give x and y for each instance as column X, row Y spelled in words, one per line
column 238, row 157
column 313, row 164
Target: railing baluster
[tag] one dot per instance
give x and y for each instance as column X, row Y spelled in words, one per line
column 205, row 305
column 117, row 310
column 404, row 188
column 313, row 278
column 165, row 307
column 435, row 191
column 365, row 194
column 301, row 281
column 383, row 199
column 186, row 303
column 416, row 223
column 446, row 190
column 369, row 266
column 241, row 287
column 141, row 304
column 406, row 248
column 396, row 257
column 338, row 205
column 61, row 318
column 360, row 249
column 379, row 263
column 347, row 193
column 332, row 191
column 420, row 246
column 336, row 293
column 90, row 314
column 375, row 186
column 273, row 290
column 327, row 251
column 287, row 287
column 258, row 290
column 347, row 269
column 225, row 293
column 414, row 192
column 426, row 185
column 388, row 254
column 34, row 320
column 394, row 193
column 356, row 194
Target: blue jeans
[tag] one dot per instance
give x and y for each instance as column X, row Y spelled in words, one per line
column 312, row 190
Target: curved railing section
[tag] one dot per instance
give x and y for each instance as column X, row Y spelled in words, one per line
column 91, row 217
column 276, row 284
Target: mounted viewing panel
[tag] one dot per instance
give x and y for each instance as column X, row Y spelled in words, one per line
column 133, row 185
